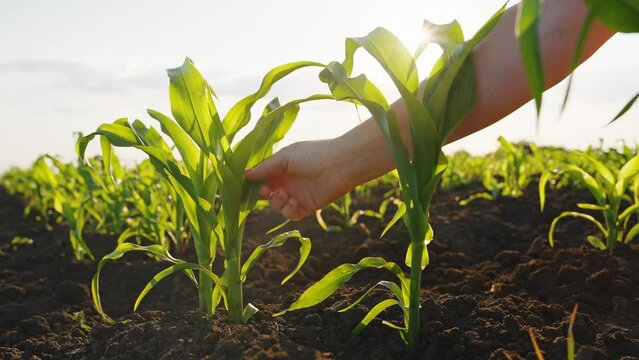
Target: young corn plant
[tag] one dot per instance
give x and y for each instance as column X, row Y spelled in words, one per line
column 155, row 215
column 448, row 95
column 71, row 202
column 463, row 169
column 611, row 190
column 508, row 176
column 350, row 219
column 208, row 181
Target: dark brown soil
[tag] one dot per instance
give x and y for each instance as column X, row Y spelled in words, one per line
column 492, row 276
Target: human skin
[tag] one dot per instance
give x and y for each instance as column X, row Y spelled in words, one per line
column 306, row 176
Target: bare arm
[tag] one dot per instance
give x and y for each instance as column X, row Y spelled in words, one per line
column 502, row 86
column 306, row 176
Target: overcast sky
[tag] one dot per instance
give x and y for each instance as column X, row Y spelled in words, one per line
column 69, row 66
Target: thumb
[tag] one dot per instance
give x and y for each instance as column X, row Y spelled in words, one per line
column 271, row 167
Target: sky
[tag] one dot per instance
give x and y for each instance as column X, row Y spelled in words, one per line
column 68, row 66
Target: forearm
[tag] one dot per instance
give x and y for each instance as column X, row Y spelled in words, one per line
column 502, row 86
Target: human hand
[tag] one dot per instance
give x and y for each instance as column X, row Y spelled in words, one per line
column 303, row 177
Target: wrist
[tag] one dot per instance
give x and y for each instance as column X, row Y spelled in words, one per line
column 362, row 154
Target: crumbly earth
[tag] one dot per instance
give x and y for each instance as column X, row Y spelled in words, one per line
column 491, row 277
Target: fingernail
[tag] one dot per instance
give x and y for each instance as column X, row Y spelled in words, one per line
column 265, row 191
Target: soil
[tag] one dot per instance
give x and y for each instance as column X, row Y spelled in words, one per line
column 491, row 277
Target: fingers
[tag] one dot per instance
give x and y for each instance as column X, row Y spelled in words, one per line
column 278, row 200
column 265, row 192
column 273, row 166
column 288, row 206
column 292, row 210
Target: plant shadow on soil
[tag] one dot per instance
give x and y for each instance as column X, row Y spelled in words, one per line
column 492, row 275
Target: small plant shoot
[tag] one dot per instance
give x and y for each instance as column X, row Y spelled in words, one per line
column 611, row 189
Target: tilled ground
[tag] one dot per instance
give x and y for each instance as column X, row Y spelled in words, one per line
column 491, row 277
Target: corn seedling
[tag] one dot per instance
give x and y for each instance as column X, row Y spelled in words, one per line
column 69, row 203
column 610, row 189
column 208, row 180
column 389, row 182
column 155, row 215
column 464, row 169
column 433, row 115
column 508, row 175
column 348, row 219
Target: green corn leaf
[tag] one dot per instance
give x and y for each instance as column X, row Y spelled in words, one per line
column 632, row 209
column 401, row 210
column 277, row 227
column 601, row 169
column 74, row 218
column 107, row 152
column 398, row 63
column 120, row 250
column 481, row 195
column 425, row 258
column 507, row 145
column 151, row 138
column 590, row 183
column 249, row 311
column 190, row 207
column 402, row 330
column 326, row 286
column 269, row 130
column 461, row 98
column 632, row 233
column 625, row 109
column 278, row 241
column 373, row 313
column 394, row 288
column 629, row 170
column 320, row 220
column 360, row 89
column 42, row 173
column 586, row 206
column 527, row 31
column 577, row 215
column 391, row 55
column 447, row 36
column 190, row 104
column 443, row 77
column 543, row 180
column 618, row 15
column 126, row 234
column 121, row 135
column 427, row 191
column 581, row 40
column 239, row 115
column 185, row 146
column 596, row 242
column 181, row 266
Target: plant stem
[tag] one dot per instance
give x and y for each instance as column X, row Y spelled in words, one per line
column 205, row 291
column 234, row 271
column 414, row 302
